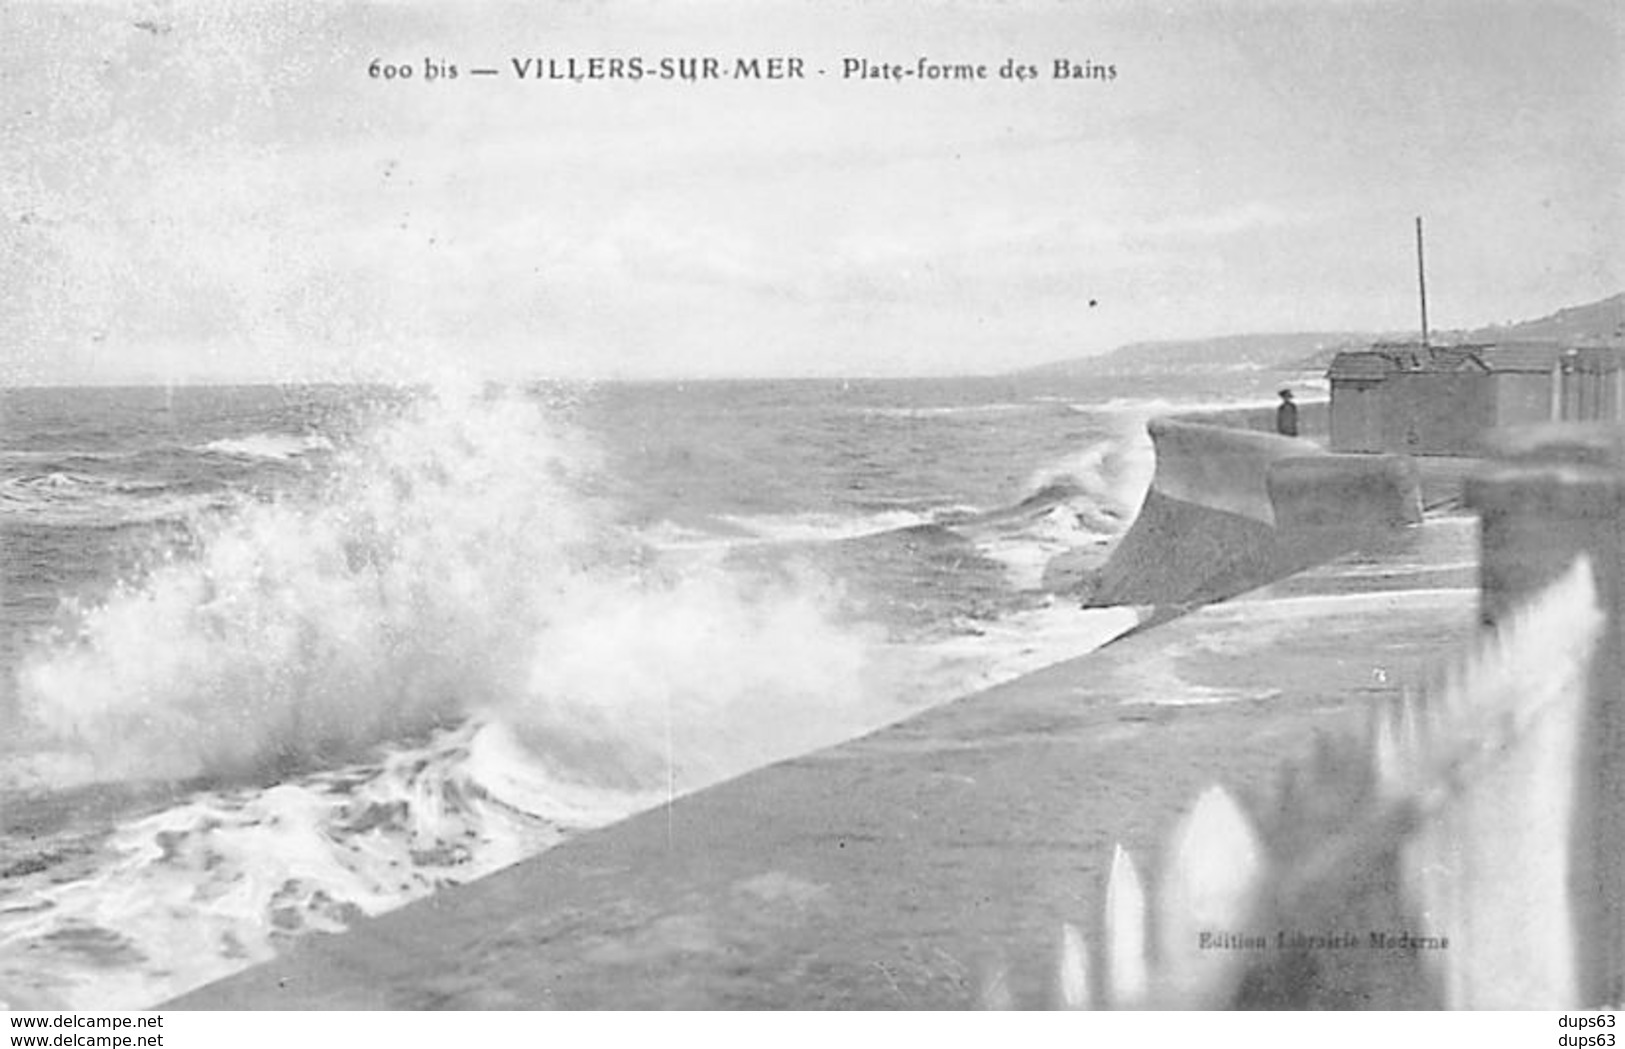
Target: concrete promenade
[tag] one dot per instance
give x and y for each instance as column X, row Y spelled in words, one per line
column 900, row 869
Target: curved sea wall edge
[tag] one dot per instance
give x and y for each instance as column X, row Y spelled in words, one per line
column 1233, row 506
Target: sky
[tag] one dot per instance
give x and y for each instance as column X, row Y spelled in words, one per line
column 224, row 193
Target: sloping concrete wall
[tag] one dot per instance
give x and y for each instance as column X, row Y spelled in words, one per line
column 1219, row 467
column 1230, row 509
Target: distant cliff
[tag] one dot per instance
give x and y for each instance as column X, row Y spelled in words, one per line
column 1600, row 321
column 1220, row 352
column 1593, row 322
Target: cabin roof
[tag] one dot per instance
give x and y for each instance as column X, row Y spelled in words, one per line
column 1522, row 356
column 1385, row 358
column 1360, row 364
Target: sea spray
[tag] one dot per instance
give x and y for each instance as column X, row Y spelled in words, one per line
column 691, row 681
column 1115, row 472
column 1098, row 490
column 453, row 562
column 435, row 652
column 277, row 446
column 298, row 629
column 434, row 663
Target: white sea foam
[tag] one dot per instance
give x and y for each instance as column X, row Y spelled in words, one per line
column 929, row 411
column 66, row 497
column 1100, row 489
column 826, row 527
column 199, row 889
column 671, row 536
column 64, row 481
column 1027, row 554
column 281, row 446
column 1145, row 407
column 1116, row 470
column 1012, row 646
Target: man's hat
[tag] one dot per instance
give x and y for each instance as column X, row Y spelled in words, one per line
column 1287, row 394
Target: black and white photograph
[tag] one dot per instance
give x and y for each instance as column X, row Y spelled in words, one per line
column 790, row 505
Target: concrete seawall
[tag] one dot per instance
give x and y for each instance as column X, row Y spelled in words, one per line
column 1232, row 507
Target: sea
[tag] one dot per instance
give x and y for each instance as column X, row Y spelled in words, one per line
column 277, row 658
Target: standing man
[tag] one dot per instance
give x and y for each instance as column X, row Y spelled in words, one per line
column 1286, row 416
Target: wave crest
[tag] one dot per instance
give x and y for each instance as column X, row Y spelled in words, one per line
column 450, row 565
column 68, row 498
column 276, row 446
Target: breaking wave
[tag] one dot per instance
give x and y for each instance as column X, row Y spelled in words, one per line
column 826, row 527
column 68, row 498
column 450, row 566
column 275, row 446
column 1079, row 504
column 930, row 411
column 443, row 657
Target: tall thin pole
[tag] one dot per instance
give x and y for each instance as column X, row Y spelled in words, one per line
column 1422, row 281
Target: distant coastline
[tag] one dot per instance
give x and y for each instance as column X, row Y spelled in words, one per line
column 1599, row 321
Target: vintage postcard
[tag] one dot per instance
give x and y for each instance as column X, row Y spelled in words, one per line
column 604, row 504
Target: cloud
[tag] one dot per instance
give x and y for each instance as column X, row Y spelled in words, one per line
column 1227, row 222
